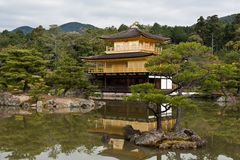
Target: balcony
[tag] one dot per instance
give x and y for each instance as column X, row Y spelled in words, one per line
column 141, row 47
column 115, row 70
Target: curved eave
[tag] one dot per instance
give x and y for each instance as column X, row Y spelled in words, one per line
column 116, row 56
column 134, row 33
column 163, row 39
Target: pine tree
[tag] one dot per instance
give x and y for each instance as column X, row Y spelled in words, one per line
column 123, row 27
column 21, row 68
column 69, row 74
column 155, row 29
column 185, row 64
column 200, row 27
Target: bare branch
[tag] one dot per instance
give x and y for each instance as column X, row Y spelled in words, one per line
column 166, row 109
column 196, row 80
column 151, row 109
column 174, row 90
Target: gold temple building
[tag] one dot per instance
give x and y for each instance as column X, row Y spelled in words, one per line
column 123, row 64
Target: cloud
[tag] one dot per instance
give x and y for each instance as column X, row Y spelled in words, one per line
column 103, row 13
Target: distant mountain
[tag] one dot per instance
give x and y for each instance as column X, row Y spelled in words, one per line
column 24, row 29
column 67, row 27
column 228, row 19
column 75, row 26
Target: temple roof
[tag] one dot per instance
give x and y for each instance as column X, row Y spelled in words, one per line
column 118, row 56
column 134, row 32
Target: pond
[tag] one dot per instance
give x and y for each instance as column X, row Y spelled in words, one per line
column 76, row 136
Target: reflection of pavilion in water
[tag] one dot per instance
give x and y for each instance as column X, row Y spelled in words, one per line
column 124, row 150
column 117, row 115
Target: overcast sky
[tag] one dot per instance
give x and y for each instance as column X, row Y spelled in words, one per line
column 103, row 13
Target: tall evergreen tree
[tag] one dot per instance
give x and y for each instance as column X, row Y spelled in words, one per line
column 123, row 27
column 155, row 29
column 200, row 27
column 229, row 33
column 20, row 68
column 237, row 19
column 69, row 74
column 211, row 31
column 38, row 39
column 179, row 34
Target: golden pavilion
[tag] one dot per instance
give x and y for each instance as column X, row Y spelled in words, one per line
column 122, row 65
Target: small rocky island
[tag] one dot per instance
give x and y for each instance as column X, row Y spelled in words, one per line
column 182, row 139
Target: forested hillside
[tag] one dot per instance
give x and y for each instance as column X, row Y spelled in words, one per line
column 67, row 27
column 228, row 19
column 24, row 29
column 74, row 26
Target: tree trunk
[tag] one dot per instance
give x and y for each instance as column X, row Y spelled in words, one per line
column 176, row 126
column 224, row 93
column 159, row 118
column 228, row 97
column 159, row 123
column 25, row 86
column 5, row 85
column 238, row 90
column 55, row 90
column 64, row 92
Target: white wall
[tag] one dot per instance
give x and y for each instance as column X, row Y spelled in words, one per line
column 166, row 83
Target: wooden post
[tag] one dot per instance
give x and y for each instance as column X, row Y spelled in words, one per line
column 160, row 83
column 154, row 81
column 127, row 81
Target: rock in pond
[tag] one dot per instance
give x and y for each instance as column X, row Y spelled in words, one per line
column 57, row 105
column 49, row 104
column 7, row 99
column 150, row 138
column 129, row 133
column 183, row 139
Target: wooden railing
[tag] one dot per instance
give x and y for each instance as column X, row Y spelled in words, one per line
column 96, row 70
column 128, row 48
column 115, row 70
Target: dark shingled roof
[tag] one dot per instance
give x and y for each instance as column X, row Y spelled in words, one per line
column 134, row 32
column 118, row 56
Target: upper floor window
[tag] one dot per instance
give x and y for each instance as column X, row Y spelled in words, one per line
column 118, row 46
column 129, row 45
column 133, row 45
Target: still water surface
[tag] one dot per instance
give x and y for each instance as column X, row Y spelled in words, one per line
column 74, row 136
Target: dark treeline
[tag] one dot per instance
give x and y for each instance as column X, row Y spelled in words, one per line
column 212, row 32
column 49, row 60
